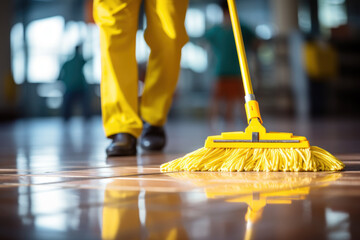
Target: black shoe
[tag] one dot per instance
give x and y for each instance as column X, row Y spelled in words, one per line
column 123, row 144
column 152, row 138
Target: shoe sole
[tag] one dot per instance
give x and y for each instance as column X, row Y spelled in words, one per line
column 152, row 148
column 120, row 154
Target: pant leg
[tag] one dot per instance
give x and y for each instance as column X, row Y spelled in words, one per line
column 118, row 22
column 86, row 103
column 165, row 35
column 68, row 103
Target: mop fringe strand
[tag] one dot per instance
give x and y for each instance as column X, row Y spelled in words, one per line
column 256, row 159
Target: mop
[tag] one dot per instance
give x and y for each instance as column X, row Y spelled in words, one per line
column 255, row 149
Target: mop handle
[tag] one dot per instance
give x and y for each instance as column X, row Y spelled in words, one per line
column 249, row 93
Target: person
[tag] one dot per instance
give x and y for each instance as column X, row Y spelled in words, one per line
column 165, row 34
column 76, row 87
column 321, row 67
column 228, row 86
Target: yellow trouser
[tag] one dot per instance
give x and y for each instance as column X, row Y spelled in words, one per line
column 165, row 34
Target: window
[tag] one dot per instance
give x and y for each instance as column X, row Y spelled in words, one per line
column 44, row 39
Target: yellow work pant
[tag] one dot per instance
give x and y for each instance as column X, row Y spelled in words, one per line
column 165, row 34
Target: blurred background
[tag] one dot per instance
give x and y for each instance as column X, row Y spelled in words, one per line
column 303, row 57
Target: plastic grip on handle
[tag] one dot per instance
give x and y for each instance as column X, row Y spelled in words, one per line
column 252, row 110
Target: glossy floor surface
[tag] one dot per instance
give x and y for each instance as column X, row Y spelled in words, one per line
column 56, row 183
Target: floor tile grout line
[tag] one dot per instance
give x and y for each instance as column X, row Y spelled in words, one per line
column 75, row 180
column 82, row 169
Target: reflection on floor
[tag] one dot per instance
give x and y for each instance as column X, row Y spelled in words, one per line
column 56, row 183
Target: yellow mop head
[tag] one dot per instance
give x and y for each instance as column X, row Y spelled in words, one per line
column 254, row 149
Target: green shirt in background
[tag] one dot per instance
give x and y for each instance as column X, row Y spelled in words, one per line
column 222, row 41
column 72, row 74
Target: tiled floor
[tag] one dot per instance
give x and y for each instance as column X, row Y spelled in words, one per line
column 56, row 183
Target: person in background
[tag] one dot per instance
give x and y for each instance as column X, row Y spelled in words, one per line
column 228, row 87
column 76, row 87
column 321, row 67
column 165, row 34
